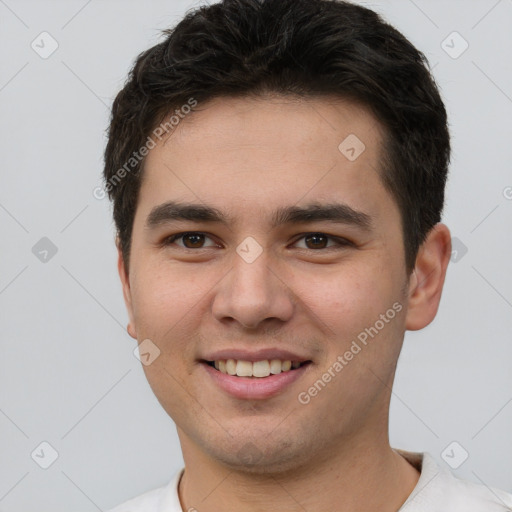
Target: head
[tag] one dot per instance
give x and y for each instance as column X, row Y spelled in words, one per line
column 269, row 119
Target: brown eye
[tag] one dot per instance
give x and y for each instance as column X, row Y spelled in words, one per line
column 316, row 241
column 322, row 241
column 190, row 240
column 193, row 240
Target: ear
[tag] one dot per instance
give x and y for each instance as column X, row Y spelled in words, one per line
column 127, row 293
column 427, row 279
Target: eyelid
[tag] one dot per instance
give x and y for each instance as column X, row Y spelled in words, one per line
column 172, row 238
column 339, row 241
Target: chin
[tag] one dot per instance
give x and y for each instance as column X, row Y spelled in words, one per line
column 261, row 457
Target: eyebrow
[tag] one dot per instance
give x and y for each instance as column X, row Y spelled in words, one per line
column 339, row 213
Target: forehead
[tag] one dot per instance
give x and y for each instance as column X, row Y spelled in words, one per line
column 242, row 154
column 277, row 123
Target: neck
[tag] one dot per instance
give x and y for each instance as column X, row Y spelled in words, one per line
column 359, row 476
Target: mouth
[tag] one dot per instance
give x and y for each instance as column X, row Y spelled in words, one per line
column 254, row 380
column 255, row 369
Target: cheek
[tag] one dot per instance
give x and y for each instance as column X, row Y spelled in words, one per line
column 167, row 302
column 165, row 295
column 346, row 300
column 361, row 346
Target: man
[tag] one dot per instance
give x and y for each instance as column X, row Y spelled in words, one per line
column 277, row 169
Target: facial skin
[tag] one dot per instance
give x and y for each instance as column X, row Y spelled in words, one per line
column 247, row 158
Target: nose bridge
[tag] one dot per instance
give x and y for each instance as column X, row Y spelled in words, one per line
column 251, row 292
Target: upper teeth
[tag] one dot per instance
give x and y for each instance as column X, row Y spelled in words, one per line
column 254, row 369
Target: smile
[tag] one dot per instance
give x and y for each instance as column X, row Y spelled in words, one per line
column 254, row 380
column 259, row 369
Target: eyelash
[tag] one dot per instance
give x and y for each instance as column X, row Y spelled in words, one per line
column 341, row 242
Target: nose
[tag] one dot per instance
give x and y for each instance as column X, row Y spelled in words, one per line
column 253, row 294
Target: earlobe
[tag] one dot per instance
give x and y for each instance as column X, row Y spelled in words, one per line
column 427, row 279
column 127, row 294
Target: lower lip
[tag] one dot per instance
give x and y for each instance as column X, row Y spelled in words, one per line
column 255, row 388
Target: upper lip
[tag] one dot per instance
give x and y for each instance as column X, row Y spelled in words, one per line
column 254, row 355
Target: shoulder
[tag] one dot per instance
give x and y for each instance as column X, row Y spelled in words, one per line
column 480, row 497
column 155, row 500
column 438, row 490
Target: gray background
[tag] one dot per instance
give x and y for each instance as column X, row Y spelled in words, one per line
column 68, row 375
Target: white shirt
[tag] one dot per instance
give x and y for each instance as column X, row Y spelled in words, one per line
column 437, row 490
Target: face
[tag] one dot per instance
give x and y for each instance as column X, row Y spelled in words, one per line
column 293, row 252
